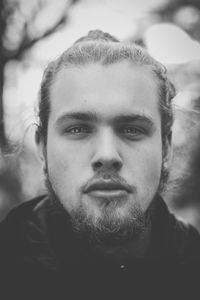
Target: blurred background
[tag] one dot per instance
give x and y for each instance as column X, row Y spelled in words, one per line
column 33, row 32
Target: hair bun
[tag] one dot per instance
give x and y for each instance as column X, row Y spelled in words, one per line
column 97, row 35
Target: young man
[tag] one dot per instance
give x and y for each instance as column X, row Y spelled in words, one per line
column 104, row 137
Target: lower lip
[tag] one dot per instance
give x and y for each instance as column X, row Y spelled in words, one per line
column 108, row 193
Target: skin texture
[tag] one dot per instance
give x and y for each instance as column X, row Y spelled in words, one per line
column 80, row 151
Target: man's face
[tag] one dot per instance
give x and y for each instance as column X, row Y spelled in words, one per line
column 104, row 146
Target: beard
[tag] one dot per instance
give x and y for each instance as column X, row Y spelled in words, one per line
column 110, row 228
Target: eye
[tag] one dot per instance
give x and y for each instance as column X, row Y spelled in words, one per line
column 78, row 131
column 132, row 132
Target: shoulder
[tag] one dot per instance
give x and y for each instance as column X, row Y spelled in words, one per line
column 21, row 212
column 185, row 240
column 176, row 240
column 11, row 226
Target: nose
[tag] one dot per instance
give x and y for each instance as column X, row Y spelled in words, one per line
column 107, row 156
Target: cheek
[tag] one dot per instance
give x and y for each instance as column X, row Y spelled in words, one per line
column 63, row 177
column 152, row 168
column 60, row 167
column 65, row 166
column 145, row 175
column 146, row 166
column 153, row 161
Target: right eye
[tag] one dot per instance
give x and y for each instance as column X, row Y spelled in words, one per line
column 78, row 131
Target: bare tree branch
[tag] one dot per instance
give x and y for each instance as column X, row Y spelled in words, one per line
column 27, row 42
column 8, row 10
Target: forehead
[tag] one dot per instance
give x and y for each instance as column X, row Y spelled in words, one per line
column 107, row 90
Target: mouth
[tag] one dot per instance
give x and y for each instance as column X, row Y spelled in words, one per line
column 108, row 193
column 107, row 189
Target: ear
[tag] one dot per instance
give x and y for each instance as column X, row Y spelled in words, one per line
column 167, row 150
column 41, row 148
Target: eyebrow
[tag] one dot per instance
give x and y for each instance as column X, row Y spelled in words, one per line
column 134, row 118
column 79, row 116
column 92, row 117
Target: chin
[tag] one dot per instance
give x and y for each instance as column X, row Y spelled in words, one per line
column 109, row 224
column 105, row 222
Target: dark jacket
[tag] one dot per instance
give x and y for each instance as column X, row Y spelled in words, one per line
column 41, row 258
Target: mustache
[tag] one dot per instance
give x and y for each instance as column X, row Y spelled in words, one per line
column 107, row 179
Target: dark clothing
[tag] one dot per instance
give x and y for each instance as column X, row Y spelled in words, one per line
column 42, row 258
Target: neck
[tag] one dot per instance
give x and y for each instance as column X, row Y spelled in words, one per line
column 132, row 249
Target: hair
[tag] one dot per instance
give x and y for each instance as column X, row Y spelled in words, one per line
column 104, row 49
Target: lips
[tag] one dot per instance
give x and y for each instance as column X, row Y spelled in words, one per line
column 107, row 188
column 108, row 194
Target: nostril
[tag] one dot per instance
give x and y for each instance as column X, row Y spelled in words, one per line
column 116, row 165
column 97, row 165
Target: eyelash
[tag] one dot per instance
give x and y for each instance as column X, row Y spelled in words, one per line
column 135, row 129
column 85, row 130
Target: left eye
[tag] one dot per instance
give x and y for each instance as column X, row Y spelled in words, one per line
column 131, row 131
